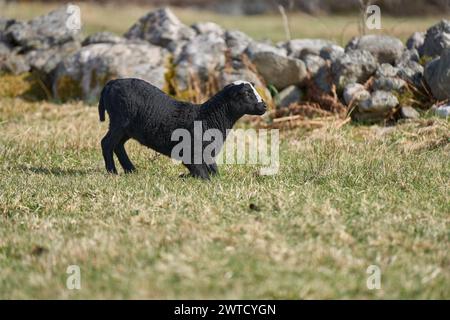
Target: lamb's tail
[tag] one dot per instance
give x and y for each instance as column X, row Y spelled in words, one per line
column 101, row 106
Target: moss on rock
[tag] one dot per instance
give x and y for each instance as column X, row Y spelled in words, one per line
column 25, row 85
column 68, row 88
column 169, row 76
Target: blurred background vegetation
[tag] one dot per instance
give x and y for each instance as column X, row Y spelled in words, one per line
column 241, row 7
column 335, row 20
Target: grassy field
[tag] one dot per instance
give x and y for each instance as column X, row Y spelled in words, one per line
column 337, row 28
column 345, row 198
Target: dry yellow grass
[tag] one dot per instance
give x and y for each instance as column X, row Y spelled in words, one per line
column 346, row 197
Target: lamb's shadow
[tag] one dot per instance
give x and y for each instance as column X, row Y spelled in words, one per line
column 55, row 171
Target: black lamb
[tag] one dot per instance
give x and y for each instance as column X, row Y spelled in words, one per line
column 141, row 111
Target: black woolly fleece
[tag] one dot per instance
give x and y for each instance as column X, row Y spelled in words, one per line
column 141, row 111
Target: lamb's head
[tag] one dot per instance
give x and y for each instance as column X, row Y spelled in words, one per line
column 245, row 99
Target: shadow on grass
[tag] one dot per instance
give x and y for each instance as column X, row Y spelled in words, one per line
column 56, row 171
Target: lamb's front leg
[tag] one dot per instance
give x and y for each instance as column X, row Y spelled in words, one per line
column 198, row 170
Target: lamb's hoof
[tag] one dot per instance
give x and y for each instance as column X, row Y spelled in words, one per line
column 189, row 175
column 112, row 171
column 129, row 171
column 203, row 177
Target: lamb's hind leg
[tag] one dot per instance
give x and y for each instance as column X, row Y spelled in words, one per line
column 212, row 168
column 109, row 142
column 122, row 155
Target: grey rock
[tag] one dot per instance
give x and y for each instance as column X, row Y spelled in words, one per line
column 286, row 97
column 5, row 46
column 388, row 84
column 255, row 48
column 313, row 63
column 161, row 28
column 380, row 101
column 240, row 72
column 354, row 66
column 13, row 63
column 5, row 51
column 237, row 42
column 385, row 49
column 102, row 37
column 4, row 24
column 408, row 55
column 44, row 62
column 321, row 68
column 437, row 39
column 437, row 75
column 386, row 70
column 354, row 93
column 39, row 44
column 298, row 47
column 416, row 41
column 208, row 27
column 323, row 78
column 84, row 73
column 443, row 111
column 279, row 70
column 331, row 52
column 386, row 79
column 407, row 112
column 44, row 31
column 411, row 72
column 190, row 64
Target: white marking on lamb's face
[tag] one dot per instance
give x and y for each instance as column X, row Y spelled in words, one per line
column 258, row 97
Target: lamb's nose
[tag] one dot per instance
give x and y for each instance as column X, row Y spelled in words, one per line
column 262, row 107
